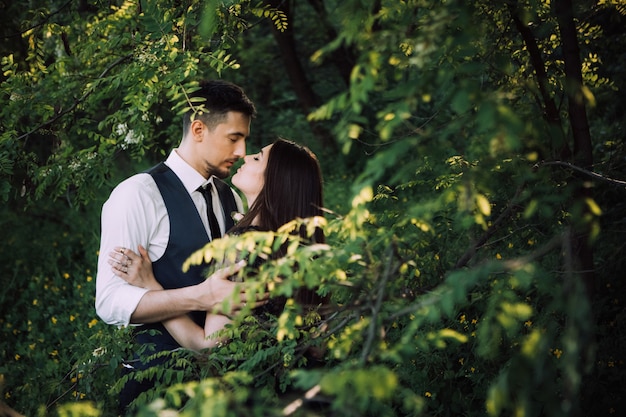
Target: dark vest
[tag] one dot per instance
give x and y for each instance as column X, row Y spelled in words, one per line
column 187, row 235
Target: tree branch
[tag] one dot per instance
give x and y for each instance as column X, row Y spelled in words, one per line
column 299, row 402
column 557, row 241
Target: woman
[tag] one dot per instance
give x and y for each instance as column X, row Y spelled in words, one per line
column 281, row 183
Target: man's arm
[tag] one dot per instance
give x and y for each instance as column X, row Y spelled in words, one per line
column 135, row 215
column 129, row 217
column 160, row 305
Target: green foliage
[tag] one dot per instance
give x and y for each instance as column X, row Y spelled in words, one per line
column 53, row 337
column 452, row 257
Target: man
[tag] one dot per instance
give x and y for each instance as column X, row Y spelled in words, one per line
column 166, row 211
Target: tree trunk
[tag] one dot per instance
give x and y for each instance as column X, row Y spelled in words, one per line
column 583, row 156
column 343, row 58
column 582, row 150
column 549, row 108
column 299, row 82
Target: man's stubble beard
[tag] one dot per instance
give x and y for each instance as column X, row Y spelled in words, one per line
column 211, row 170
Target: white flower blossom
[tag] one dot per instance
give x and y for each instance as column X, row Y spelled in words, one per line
column 121, row 129
column 132, row 137
column 99, row 351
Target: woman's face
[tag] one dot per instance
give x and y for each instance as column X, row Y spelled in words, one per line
column 249, row 178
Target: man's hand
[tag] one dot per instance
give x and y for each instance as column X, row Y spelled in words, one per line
column 216, row 294
column 219, row 292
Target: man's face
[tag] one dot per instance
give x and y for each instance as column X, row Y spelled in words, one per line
column 221, row 147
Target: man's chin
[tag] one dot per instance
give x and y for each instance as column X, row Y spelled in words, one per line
column 221, row 174
column 218, row 172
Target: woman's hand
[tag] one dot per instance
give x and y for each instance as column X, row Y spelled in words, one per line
column 136, row 269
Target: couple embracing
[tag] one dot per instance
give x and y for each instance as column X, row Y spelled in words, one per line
column 180, row 205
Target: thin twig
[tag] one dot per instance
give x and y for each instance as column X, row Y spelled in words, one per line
column 40, row 23
column 509, row 265
column 296, row 404
column 371, row 334
column 77, row 102
column 510, row 208
column 515, row 264
column 582, row 170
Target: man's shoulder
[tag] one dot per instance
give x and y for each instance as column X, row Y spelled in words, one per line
column 140, row 179
column 135, row 186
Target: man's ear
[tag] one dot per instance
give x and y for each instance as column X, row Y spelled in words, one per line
column 197, row 129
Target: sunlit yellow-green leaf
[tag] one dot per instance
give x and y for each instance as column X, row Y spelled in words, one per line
column 496, row 398
column 593, row 206
column 532, row 344
column 354, row 131
column 453, row 334
column 365, row 195
column 589, row 96
column 79, row 409
column 483, row 204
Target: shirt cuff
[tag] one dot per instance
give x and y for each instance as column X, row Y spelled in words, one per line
column 120, row 308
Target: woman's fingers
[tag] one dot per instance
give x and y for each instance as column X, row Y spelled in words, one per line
column 125, row 257
column 122, row 260
column 122, row 255
column 117, row 268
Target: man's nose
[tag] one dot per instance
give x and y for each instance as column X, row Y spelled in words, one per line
column 240, row 149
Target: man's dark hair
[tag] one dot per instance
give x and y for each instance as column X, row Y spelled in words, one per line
column 219, row 98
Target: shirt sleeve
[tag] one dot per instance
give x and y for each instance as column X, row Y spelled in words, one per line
column 129, row 218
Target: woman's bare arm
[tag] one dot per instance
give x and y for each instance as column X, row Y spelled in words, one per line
column 191, row 336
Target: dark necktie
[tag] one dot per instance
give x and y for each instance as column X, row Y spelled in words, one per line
column 213, row 225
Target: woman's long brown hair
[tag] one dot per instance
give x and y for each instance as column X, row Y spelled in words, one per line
column 292, row 189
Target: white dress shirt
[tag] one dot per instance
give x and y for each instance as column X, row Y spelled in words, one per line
column 135, row 214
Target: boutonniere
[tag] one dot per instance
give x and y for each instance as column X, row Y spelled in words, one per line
column 236, row 216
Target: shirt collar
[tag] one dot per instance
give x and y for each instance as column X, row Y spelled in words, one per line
column 190, row 178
